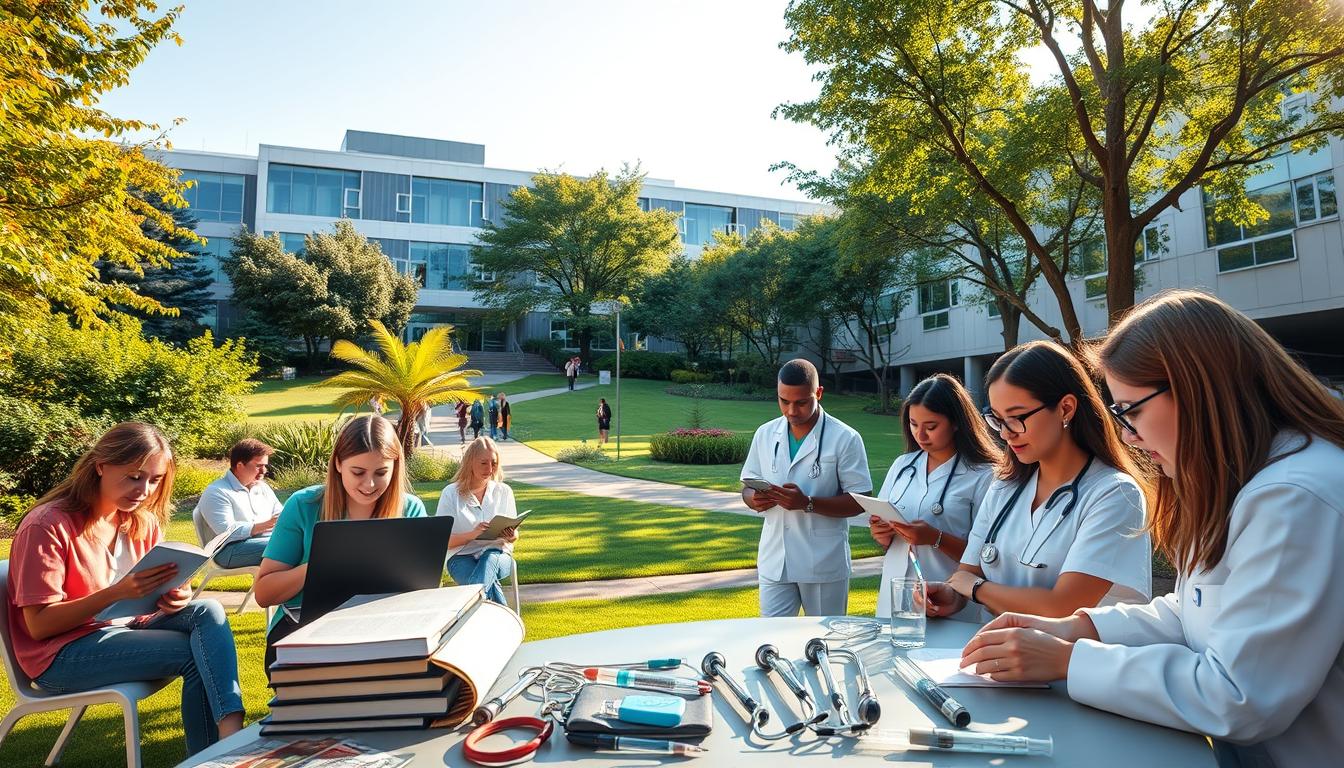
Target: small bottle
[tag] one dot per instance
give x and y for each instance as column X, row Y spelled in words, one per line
column 657, row 711
column 650, row 681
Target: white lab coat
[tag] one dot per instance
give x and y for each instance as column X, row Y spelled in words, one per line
column 1103, row 536
column 913, row 490
column 469, row 511
column 1250, row 652
column 797, row 547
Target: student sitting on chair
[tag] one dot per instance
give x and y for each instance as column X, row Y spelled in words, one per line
column 242, row 503
column 72, row 558
column 366, row 479
column 475, row 496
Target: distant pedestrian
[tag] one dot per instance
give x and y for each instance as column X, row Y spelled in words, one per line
column 572, row 371
column 505, row 417
column 422, row 425
column 462, row 420
column 376, row 404
column 494, row 419
column 477, row 418
column 603, row 419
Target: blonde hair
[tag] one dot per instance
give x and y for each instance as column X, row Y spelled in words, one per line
column 1235, row 388
column 366, row 434
column 473, row 452
column 130, row 442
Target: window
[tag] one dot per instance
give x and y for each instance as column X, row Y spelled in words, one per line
column 441, row 201
column 1154, row 244
column 447, row 266
column 934, row 300
column 700, row 222
column 1315, row 197
column 290, row 241
column 215, row 196
column 312, row 191
column 644, row 204
column 1094, row 263
column 560, row 332
column 403, row 203
column 787, row 221
column 1264, row 242
column 215, row 250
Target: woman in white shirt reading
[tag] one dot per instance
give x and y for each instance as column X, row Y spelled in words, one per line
column 1062, row 528
column 937, row 487
column 1250, row 508
column 475, row 496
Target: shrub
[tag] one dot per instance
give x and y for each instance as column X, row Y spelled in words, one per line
column 40, row 442
column 742, row 392
column 218, row 445
column 113, row 372
column 297, row 477
column 700, row 446
column 13, row 507
column 191, row 477
column 554, row 351
column 302, row 443
column 642, row 365
column 683, row 376
column 431, row 466
column 581, row 453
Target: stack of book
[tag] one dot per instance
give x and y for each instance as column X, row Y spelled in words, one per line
column 370, row 665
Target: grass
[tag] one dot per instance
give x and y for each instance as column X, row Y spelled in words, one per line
column 97, row 741
column 561, row 421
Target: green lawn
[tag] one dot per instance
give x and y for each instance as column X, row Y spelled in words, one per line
column 98, row 743
column 558, row 422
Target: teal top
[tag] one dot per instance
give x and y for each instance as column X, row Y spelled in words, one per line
column 794, row 443
column 292, row 537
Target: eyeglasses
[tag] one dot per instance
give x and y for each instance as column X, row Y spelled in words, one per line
column 1015, row 424
column 1119, row 411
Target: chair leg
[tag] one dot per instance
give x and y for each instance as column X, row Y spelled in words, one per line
column 66, row 732
column 209, row 574
column 517, row 601
column 130, row 714
column 248, row 596
column 8, row 722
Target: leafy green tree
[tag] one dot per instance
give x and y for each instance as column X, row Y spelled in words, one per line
column 1140, row 111
column 748, row 279
column 182, row 286
column 415, row 376
column 676, row 306
column 65, row 179
column 813, row 291
column 339, row 288
column 566, row 244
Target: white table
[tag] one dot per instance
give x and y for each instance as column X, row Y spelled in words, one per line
column 1083, row 736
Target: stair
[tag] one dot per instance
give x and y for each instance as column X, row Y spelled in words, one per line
column 509, row 362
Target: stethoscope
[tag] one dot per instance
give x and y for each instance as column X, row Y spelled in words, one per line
column 989, row 553
column 815, row 470
column 937, row 507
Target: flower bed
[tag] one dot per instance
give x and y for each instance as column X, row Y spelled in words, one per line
column 700, row 446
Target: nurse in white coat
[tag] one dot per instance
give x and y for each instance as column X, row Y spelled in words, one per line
column 811, row 462
column 1063, row 527
column 1249, row 649
column 935, row 489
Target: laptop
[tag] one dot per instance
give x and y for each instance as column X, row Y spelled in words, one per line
column 371, row 557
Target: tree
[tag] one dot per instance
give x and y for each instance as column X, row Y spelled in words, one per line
column 181, row 286
column 65, row 183
column 747, row 280
column 813, row 291
column 341, row 286
column 416, row 376
column 676, row 306
column 1144, row 111
column 566, row 243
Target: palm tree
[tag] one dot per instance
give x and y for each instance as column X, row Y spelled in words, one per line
column 416, row 375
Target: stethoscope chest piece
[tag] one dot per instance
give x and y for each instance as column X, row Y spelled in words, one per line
column 937, row 508
column 988, row 554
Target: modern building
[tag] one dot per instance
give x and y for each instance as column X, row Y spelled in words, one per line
column 424, row 201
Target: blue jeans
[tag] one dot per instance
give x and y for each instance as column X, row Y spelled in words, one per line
column 242, row 554
column 487, row 569
column 494, row 431
column 195, row 644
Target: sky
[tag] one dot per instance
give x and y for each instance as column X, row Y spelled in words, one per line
column 683, row 88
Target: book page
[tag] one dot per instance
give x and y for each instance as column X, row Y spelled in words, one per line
column 880, row 507
column 477, row 650
column 363, row 619
column 943, row 666
column 499, row 522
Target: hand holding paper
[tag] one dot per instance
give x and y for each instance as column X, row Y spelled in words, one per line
column 879, row 508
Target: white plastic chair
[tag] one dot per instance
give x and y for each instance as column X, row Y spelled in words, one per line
column 513, row 582
column 214, row 570
column 33, row 699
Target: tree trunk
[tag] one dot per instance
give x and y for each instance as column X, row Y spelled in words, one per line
column 406, row 429
column 1120, row 266
column 1011, row 318
column 586, row 347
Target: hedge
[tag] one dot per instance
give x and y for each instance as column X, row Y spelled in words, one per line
column 642, row 365
column 700, row 446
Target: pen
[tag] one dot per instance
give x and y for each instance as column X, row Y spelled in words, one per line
column 630, row 744
column 932, row 692
column 629, row 678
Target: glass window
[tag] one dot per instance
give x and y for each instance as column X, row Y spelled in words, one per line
column 213, row 253
column 934, row 300
column 700, row 222
column 1315, row 197
column 560, row 332
column 1154, row 244
column 312, row 191
column 1277, row 199
column 446, row 266
column 441, row 201
column 292, row 242
column 644, row 204
column 1255, row 253
column 786, row 221
column 1094, row 264
column 215, row 196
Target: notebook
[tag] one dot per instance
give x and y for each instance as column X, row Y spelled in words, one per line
column 943, row 666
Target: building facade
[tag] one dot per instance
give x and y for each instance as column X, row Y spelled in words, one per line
column 424, row 201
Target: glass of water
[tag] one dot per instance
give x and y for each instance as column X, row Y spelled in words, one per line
column 907, row 612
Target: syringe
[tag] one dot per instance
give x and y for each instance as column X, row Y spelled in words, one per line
column 949, row 740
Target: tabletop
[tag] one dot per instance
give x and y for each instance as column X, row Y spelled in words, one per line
column 1082, row 735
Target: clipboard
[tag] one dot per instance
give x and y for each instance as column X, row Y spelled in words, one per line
column 880, row 507
column 499, row 522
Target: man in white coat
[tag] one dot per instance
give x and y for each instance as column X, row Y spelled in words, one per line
column 804, row 465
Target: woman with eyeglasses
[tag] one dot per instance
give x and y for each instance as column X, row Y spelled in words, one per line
column 937, row 487
column 1250, row 508
column 1063, row 527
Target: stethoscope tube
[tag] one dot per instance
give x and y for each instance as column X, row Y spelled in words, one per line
column 869, row 711
column 815, row 470
column 768, row 659
column 937, row 507
column 989, row 552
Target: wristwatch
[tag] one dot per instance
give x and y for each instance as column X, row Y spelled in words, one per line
column 809, row 509
column 975, row 588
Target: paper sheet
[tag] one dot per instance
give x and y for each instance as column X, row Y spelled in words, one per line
column 943, row 666
column 477, row 650
column 880, row 507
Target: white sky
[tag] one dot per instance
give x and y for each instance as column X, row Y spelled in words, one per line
column 685, row 88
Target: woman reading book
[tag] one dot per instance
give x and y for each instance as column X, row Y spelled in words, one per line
column 73, row 557
column 366, row 479
column 476, row 495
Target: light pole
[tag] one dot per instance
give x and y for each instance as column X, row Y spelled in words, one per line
column 618, row 379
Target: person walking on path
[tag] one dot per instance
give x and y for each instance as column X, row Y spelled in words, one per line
column 603, row 419
column 422, row 423
column 477, row 418
column 462, row 420
column 494, row 419
column 572, row 371
column 505, row 417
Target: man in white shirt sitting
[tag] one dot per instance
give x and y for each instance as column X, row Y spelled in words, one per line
column 242, row 503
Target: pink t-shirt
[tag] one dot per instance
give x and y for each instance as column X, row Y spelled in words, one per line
column 50, row 562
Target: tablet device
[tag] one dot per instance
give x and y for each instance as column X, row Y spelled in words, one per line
column 372, row 557
column 756, row 484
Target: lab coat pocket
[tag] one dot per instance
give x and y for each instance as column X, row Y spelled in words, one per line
column 1202, row 605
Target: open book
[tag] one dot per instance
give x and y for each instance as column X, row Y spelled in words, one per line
column 477, row 649
column 189, row 559
column 499, row 522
